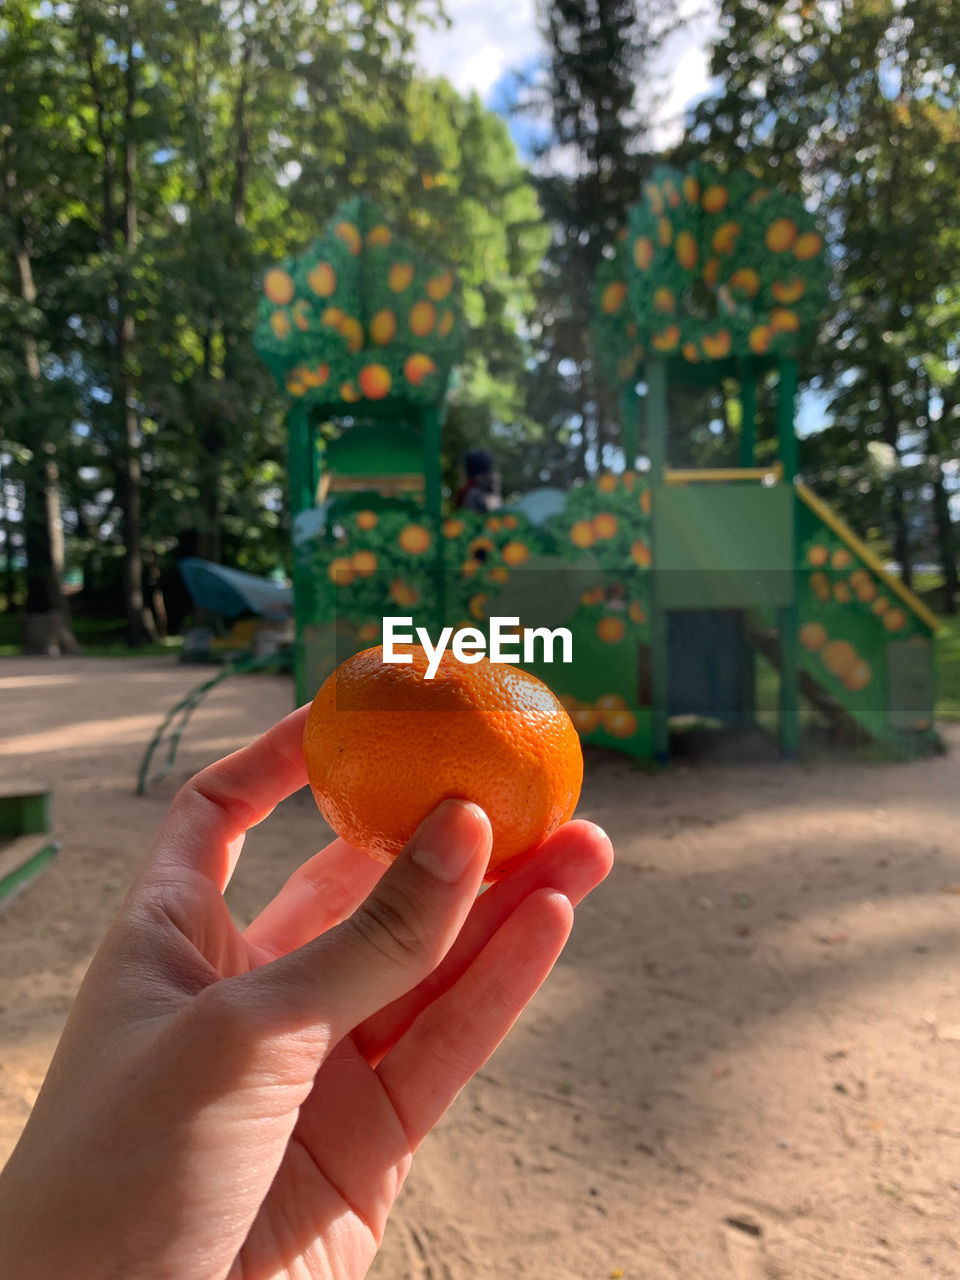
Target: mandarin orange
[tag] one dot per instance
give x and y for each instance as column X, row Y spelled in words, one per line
column 384, row 746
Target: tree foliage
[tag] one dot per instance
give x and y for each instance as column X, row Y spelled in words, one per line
column 858, row 105
column 166, row 152
column 589, row 172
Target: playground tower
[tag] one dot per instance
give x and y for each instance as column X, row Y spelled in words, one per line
column 686, row 590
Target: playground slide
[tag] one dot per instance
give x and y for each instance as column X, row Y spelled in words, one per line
column 865, row 640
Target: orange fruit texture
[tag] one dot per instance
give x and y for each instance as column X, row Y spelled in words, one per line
column 383, row 747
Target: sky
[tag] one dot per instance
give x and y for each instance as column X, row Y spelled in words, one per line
column 489, row 41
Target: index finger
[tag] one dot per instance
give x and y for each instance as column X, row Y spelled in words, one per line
column 204, row 827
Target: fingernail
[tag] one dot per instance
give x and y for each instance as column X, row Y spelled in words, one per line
column 449, row 840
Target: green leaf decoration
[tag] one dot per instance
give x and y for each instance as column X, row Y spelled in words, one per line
column 483, row 554
column 378, row 556
column 835, row 584
column 607, row 521
column 374, row 557
column 716, row 267
column 360, row 317
column 616, row 341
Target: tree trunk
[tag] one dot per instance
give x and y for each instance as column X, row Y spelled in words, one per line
column 946, row 541
column 9, row 577
column 898, row 507
column 140, row 625
column 208, row 531
column 47, row 626
column 107, row 224
column 241, row 136
column 208, row 536
column 209, row 541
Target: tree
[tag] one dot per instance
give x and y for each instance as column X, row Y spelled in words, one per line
column 34, row 134
column 447, row 173
column 860, row 105
column 599, row 51
column 173, row 151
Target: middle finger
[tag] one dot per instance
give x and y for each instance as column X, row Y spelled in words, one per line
column 321, row 893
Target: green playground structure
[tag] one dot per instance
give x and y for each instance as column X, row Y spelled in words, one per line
column 674, row 583
column 258, row 644
column 26, row 845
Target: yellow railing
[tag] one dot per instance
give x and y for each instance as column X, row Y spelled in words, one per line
column 673, row 475
column 833, row 521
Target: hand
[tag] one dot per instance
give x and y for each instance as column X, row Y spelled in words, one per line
column 246, row 1105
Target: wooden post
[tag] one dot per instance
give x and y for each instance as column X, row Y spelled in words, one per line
column 301, row 463
column 748, row 414
column 433, row 493
column 786, row 428
column 787, row 617
column 659, row 655
column 430, row 420
column 789, row 681
column 747, row 679
column 657, row 418
column 660, row 676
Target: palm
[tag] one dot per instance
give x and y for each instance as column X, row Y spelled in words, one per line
column 318, row 1145
column 347, row 1135
column 341, row 1146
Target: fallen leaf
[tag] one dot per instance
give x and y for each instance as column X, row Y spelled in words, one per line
column 745, row 1225
column 743, row 899
column 950, row 888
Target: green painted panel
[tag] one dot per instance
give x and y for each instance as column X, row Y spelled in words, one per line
column 858, row 640
column 723, row 546
column 842, row 645
column 910, row 684
column 369, row 449
column 601, row 689
column 26, row 814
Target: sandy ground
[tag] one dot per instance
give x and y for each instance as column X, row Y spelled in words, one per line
column 747, row 1064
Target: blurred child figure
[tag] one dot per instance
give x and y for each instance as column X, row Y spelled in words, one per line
column 482, row 489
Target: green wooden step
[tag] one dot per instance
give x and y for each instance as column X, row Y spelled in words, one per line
column 21, row 861
column 24, row 809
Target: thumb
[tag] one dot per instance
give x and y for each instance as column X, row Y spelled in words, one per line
column 393, row 940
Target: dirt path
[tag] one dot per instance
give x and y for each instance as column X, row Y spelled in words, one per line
column 747, row 1065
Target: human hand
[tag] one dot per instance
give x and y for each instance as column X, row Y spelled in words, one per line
column 247, row 1105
